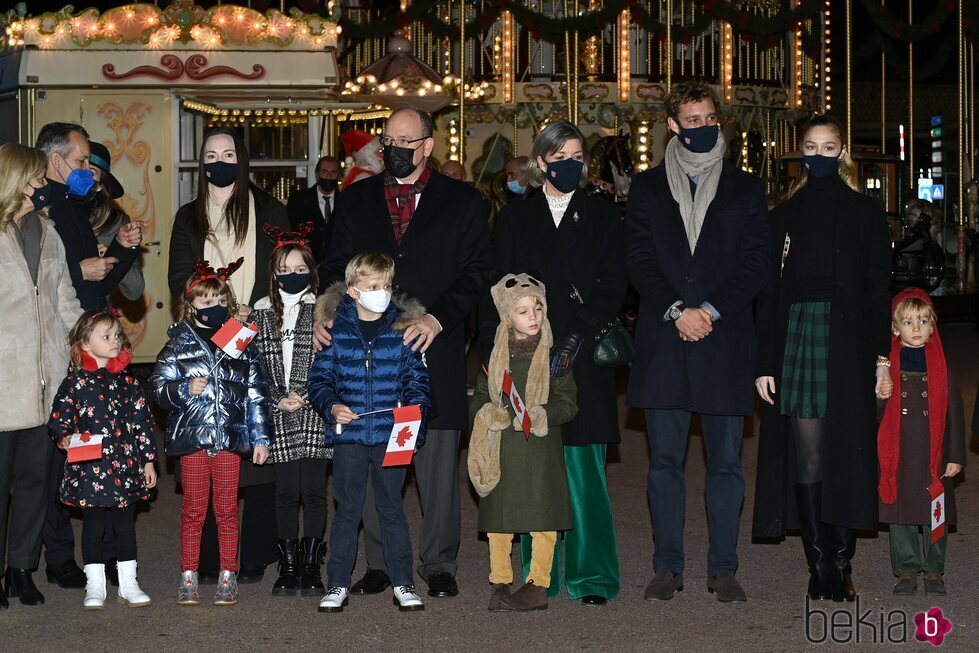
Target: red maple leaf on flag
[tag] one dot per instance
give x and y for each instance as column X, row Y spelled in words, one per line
column 241, row 343
column 516, row 403
column 938, row 511
column 404, row 435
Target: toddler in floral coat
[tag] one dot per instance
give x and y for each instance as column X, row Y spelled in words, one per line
column 100, row 398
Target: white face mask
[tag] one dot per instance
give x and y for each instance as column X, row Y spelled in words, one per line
column 375, row 301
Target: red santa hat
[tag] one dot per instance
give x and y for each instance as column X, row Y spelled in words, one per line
column 354, row 140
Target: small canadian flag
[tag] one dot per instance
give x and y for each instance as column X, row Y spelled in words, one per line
column 519, row 409
column 937, row 493
column 84, row 447
column 233, row 337
column 404, row 436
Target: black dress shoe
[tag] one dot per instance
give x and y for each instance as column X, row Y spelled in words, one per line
column 593, row 599
column 209, row 577
column 442, row 584
column 374, row 581
column 66, row 574
column 250, row 574
column 20, row 585
column 112, row 571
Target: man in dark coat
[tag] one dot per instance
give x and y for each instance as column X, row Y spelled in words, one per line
column 435, row 229
column 696, row 234
column 94, row 276
column 316, row 203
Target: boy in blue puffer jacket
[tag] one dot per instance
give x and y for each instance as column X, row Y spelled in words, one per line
column 367, row 368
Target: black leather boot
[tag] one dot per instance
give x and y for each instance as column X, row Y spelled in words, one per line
column 311, row 581
column 815, row 540
column 287, row 584
column 20, row 585
column 844, row 546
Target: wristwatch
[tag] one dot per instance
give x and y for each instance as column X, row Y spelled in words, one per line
column 675, row 312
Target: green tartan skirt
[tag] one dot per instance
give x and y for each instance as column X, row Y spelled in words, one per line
column 805, row 361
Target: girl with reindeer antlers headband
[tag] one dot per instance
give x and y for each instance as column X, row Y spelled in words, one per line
column 219, row 412
column 285, row 341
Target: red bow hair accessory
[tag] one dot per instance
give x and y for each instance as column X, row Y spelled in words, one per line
column 282, row 238
column 203, row 270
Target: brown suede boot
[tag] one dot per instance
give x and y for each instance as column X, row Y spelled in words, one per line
column 527, row 598
column 499, row 591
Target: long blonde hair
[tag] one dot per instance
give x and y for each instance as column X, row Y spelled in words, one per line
column 19, row 165
column 848, row 169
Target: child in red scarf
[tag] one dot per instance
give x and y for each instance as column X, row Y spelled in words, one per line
column 921, row 441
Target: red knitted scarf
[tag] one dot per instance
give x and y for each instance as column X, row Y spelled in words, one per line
column 889, row 433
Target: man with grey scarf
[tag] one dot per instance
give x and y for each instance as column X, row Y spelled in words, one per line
column 698, row 253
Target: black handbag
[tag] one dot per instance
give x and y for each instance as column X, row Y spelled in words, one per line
column 614, row 346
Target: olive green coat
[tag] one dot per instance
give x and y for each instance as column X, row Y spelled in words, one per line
column 532, row 494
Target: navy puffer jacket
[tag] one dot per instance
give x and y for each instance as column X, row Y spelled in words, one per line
column 232, row 414
column 367, row 376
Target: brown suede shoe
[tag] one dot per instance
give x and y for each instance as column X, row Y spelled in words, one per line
column 527, row 598
column 498, row 592
column 907, row 582
column 664, row 585
column 726, row 588
column 934, row 584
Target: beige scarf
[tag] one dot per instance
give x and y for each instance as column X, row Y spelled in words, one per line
column 220, row 247
column 681, row 164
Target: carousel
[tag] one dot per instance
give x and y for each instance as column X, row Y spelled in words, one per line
column 148, row 79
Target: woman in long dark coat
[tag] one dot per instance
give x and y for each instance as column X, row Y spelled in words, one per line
column 824, row 337
column 573, row 244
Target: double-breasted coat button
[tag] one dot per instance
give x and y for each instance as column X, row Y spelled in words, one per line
column 904, row 377
column 904, row 394
column 904, row 411
column 925, row 413
column 924, row 394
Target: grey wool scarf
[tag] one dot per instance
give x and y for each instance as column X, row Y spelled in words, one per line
column 681, row 164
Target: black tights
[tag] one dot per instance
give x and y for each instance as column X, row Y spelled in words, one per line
column 807, row 435
column 94, row 523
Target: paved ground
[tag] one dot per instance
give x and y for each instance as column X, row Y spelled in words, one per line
column 774, row 619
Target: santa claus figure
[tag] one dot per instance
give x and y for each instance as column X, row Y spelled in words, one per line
column 363, row 155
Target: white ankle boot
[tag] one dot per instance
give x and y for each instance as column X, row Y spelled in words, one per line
column 129, row 590
column 94, row 587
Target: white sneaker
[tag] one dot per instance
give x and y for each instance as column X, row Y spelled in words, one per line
column 94, row 587
column 129, row 591
column 335, row 599
column 407, row 600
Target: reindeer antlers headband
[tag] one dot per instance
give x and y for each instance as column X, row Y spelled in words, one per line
column 282, row 238
column 203, row 270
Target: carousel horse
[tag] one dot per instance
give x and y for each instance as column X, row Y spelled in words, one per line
column 610, row 167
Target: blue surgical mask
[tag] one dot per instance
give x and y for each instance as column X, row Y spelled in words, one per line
column 564, row 175
column 514, row 187
column 212, row 316
column 80, row 183
column 820, row 166
column 699, row 139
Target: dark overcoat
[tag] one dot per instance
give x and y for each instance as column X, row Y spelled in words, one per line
column 580, row 258
column 444, row 261
column 859, row 333
column 304, row 206
column 728, row 268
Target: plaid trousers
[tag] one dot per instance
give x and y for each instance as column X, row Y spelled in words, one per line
column 198, row 472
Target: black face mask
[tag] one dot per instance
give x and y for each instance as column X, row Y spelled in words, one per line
column 327, row 185
column 292, row 283
column 221, row 173
column 399, row 160
column 212, row 316
column 821, row 167
column 41, row 196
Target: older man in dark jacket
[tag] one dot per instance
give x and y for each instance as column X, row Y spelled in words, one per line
column 435, row 229
column 697, row 234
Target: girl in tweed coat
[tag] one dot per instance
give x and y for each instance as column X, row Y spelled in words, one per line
column 285, row 340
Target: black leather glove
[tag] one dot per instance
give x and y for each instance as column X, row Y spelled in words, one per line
column 563, row 354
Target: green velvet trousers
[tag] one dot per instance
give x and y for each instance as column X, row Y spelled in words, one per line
column 586, row 559
column 906, row 549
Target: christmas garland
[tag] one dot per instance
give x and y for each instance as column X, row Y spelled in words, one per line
column 767, row 30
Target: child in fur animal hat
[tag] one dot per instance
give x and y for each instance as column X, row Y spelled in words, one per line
column 520, row 477
column 920, row 443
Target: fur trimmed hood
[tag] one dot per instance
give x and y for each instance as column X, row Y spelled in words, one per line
column 410, row 310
